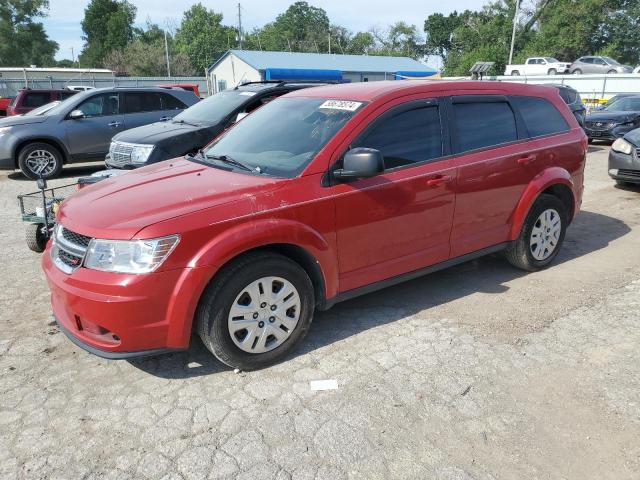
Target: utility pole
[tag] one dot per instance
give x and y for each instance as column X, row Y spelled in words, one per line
column 329, row 41
column 239, row 25
column 166, row 51
column 513, row 32
column 73, row 57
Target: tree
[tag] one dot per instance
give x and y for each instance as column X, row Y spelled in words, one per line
column 399, row 39
column 23, row 41
column 202, row 37
column 107, row 26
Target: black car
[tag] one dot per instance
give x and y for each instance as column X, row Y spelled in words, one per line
column 614, row 120
column 195, row 127
column 572, row 98
column 624, row 159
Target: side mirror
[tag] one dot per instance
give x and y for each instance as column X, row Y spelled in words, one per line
column 360, row 163
column 240, row 116
column 76, row 115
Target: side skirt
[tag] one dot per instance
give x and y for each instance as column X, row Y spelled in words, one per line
column 388, row 282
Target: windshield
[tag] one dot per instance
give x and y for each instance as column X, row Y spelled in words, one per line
column 551, row 60
column 43, row 109
column 215, row 108
column 62, row 105
column 610, row 61
column 282, row 137
column 625, row 104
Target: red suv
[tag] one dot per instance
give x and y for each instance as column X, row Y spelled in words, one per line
column 321, row 195
column 29, row 99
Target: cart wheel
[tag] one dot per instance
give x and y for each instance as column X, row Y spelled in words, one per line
column 36, row 239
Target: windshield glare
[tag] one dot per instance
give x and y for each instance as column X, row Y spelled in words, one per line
column 215, row 108
column 625, row 104
column 610, row 61
column 551, row 60
column 43, row 109
column 282, row 137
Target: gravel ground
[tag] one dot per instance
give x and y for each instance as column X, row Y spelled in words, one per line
column 477, row 372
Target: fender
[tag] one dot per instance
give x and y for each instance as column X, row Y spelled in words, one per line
column 542, row 181
column 42, row 138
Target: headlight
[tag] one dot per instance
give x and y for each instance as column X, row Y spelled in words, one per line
column 140, row 153
column 622, row 146
column 4, row 130
column 129, row 256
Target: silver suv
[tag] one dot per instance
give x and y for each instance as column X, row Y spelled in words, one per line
column 597, row 64
column 80, row 128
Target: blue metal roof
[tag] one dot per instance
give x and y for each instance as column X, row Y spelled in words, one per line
column 325, row 61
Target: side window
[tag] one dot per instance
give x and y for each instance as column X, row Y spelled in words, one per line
column 101, row 105
column 587, row 60
column 408, row 137
column 540, row 116
column 169, row 102
column 36, row 99
column 483, row 124
column 599, row 61
column 222, row 85
column 136, row 102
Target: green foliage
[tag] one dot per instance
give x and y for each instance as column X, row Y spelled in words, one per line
column 202, row 37
column 107, row 26
column 23, row 41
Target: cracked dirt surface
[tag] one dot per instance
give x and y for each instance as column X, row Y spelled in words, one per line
column 477, row 372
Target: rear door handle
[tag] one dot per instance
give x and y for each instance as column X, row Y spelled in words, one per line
column 526, row 160
column 115, row 124
column 165, row 118
column 438, row 180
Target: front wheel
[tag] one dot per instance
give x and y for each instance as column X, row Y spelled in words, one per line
column 552, row 71
column 40, row 160
column 515, row 73
column 577, row 71
column 256, row 310
column 541, row 236
column 611, row 72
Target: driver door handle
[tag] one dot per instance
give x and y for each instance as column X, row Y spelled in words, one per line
column 526, row 160
column 438, row 180
column 115, row 124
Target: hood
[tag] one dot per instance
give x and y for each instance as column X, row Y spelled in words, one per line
column 155, row 132
column 633, row 137
column 119, row 207
column 619, row 117
column 20, row 120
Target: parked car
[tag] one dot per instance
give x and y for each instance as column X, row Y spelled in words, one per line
column 27, row 99
column 614, row 120
column 538, row 66
column 319, row 196
column 81, row 127
column 613, row 99
column 192, row 87
column 572, row 98
column 624, row 159
column 4, row 104
column 195, row 127
column 597, row 64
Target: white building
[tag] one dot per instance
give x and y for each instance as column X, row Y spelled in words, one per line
column 239, row 66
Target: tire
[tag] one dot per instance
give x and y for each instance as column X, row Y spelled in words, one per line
column 232, row 287
column 611, row 72
column 577, row 71
column 552, row 71
column 622, row 183
column 515, row 73
column 38, row 152
column 36, row 240
column 520, row 252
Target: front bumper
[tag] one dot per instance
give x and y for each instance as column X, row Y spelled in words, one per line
column 624, row 167
column 123, row 316
column 612, row 133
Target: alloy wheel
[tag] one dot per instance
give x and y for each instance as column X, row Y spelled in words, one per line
column 264, row 314
column 41, row 162
column 545, row 234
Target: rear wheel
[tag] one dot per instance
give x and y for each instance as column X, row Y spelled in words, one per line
column 515, row 73
column 577, row 71
column 40, row 160
column 541, row 236
column 611, row 72
column 256, row 311
column 552, row 71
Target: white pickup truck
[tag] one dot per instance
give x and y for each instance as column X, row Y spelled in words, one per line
column 538, row 66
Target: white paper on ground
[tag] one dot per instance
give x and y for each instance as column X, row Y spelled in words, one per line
column 323, row 384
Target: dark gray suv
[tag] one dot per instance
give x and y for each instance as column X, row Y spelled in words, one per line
column 80, row 128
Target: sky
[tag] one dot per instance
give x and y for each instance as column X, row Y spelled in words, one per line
column 63, row 22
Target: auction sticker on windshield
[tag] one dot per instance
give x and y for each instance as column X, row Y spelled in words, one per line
column 341, row 105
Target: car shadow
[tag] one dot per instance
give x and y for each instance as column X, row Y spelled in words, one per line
column 589, row 232
column 596, row 148
column 68, row 171
column 629, row 187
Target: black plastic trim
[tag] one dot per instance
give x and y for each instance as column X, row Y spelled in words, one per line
column 111, row 355
column 372, row 287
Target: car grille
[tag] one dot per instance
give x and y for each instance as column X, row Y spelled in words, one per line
column 629, row 173
column 120, row 153
column 68, row 249
column 599, row 125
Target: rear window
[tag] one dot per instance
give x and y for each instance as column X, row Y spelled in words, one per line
column 136, row 102
column 483, row 124
column 540, row 116
column 35, row 99
column 569, row 96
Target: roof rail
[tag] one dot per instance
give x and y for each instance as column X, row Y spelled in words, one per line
column 286, row 82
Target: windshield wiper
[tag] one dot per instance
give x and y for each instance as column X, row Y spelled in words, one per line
column 231, row 161
column 185, row 122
